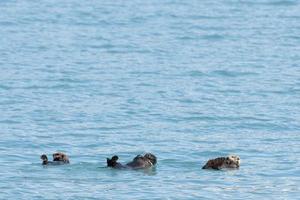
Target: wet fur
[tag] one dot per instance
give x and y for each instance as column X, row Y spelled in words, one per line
column 139, row 162
column 223, row 162
column 113, row 162
column 58, row 159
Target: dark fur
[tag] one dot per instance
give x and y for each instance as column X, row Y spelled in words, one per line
column 223, row 162
column 113, row 163
column 139, row 162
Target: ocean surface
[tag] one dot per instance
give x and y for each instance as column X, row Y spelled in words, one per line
column 185, row 80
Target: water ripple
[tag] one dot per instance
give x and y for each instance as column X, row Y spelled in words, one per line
column 186, row 80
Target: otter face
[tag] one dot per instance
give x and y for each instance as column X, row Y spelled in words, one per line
column 232, row 161
column 152, row 158
column 60, row 157
column 44, row 157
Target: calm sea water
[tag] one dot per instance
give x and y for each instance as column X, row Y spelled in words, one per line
column 185, row 80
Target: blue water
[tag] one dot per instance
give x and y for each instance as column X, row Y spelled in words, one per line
column 185, row 80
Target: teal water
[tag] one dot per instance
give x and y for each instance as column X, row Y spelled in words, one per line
column 185, row 80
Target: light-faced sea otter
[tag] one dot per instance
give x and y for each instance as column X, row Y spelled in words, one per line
column 231, row 161
column 58, row 159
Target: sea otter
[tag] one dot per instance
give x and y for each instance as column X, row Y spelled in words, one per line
column 113, row 163
column 58, row 159
column 139, row 162
column 231, row 161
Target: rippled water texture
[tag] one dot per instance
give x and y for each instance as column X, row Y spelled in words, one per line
column 185, row 80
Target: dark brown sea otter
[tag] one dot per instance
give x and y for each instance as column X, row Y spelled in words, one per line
column 58, row 159
column 139, row 162
column 223, row 162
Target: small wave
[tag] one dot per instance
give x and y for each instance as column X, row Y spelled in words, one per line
column 186, row 38
column 195, row 73
column 8, row 121
column 227, row 73
column 213, row 37
column 270, row 3
column 7, row 23
column 282, row 3
column 4, row 87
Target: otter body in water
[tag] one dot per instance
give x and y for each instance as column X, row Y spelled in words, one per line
column 232, row 162
column 58, row 159
column 139, row 162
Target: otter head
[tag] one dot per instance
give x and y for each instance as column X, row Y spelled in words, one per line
column 45, row 159
column 152, row 158
column 232, row 161
column 60, row 157
column 112, row 162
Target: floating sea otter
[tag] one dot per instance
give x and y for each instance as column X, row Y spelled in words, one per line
column 139, row 162
column 58, row 159
column 223, row 162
